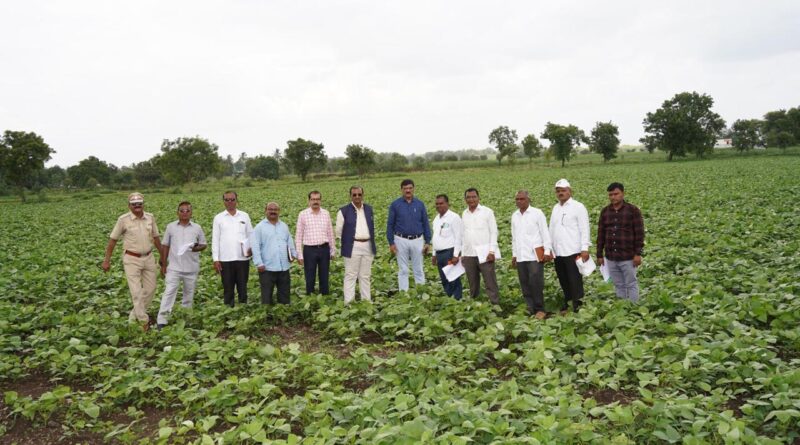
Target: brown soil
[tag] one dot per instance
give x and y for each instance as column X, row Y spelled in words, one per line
column 607, row 396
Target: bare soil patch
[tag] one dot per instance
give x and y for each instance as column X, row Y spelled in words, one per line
column 607, row 396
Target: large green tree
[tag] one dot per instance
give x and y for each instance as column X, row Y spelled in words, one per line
column 262, row 167
column 361, row 159
column 91, row 172
column 563, row 140
column 779, row 128
column 531, row 146
column 22, row 157
column 746, row 134
column 684, row 124
column 605, row 140
column 505, row 140
column 305, row 156
column 189, row 159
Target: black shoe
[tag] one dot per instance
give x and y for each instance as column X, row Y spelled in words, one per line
column 160, row 326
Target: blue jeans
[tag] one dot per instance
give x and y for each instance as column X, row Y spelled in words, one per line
column 451, row 288
column 623, row 274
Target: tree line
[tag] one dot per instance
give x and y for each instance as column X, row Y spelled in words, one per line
column 683, row 125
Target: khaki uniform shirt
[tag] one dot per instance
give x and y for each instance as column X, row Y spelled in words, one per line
column 136, row 233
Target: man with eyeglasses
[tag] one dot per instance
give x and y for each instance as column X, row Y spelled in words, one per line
column 447, row 233
column 184, row 239
column 569, row 231
column 409, row 234
column 230, row 248
column 355, row 227
column 139, row 233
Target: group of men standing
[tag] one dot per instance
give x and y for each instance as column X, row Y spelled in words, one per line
column 468, row 241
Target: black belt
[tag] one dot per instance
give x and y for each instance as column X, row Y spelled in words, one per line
column 137, row 255
column 449, row 248
column 362, row 240
column 408, row 236
column 316, row 247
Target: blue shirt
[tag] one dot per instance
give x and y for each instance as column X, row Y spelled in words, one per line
column 271, row 244
column 407, row 218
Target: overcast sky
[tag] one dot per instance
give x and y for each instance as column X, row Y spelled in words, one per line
column 113, row 79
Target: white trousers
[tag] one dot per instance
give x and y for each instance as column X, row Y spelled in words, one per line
column 409, row 251
column 171, row 283
column 358, row 268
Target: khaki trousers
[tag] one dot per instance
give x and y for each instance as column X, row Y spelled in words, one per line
column 141, row 275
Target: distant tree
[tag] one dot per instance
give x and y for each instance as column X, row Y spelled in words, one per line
column 684, row 124
column 227, row 167
column 605, row 140
column 147, row 173
column 263, row 167
column 450, row 157
column 22, row 157
column 240, row 166
column 531, row 147
column 361, row 159
column 793, row 115
column 392, row 162
column 186, row 160
column 563, row 140
column 779, row 139
column 505, row 140
column 91, row 172
column 305, row 156
column 53, row 177
column 746, row 134
column 419, row 163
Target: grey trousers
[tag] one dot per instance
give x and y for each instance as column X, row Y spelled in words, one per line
column 474, row 272
column 531, row 280
column 623, row 274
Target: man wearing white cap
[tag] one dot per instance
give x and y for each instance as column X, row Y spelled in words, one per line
column 569, row 230
column 139, row 233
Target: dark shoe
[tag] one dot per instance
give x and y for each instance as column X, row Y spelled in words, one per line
column 160, row 326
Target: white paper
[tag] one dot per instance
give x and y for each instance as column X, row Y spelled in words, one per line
column 604, row 272
column 245, row 247
column 585, row 267
column 452, row 272
column 483, row 252
column 185, row 248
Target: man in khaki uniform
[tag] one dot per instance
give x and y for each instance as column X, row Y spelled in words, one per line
column 139, row 233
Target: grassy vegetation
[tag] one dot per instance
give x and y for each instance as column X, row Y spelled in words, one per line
column 710, row 355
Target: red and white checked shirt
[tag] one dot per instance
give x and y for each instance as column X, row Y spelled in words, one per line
column 313, row 229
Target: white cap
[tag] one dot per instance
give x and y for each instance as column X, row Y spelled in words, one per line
column 135, row 198
column 562, row 183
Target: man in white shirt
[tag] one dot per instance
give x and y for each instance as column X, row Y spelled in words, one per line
column 531, row 246
column 569, row 230
column 447, row 233
column 355, row 227
column 230, row 249
column 480, row 232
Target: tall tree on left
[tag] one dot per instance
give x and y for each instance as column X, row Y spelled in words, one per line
column 22, row 156
column 186, row 160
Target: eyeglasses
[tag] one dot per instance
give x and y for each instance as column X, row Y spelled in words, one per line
column 356, row 194
column 137, row 204
column 229, row 199
column 185, row 210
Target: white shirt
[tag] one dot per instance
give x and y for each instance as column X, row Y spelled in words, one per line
column 529, row 231
column 569, row 228
column 229, row 235
column 447, row 232
column 362, row 229
column 480, row 228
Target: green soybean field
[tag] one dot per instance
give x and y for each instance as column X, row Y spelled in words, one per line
column 709, row 356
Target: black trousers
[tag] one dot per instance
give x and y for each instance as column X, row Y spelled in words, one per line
column 571, row 281
column 317, row 259
column 531, row 280
column 235, row 274
column 269, row 280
